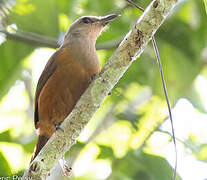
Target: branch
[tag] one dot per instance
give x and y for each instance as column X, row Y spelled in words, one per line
column 45, row 41
column 31, row 38
column 129, row 49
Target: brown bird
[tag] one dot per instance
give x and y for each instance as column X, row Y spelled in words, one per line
column 67, row 75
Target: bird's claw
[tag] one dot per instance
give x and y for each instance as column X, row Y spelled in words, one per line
column 66, row 168
column 57, row 127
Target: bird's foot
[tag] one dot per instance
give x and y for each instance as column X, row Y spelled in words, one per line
column 66, row 168
column 57, row 127
column 34, row 167
column 92, row 77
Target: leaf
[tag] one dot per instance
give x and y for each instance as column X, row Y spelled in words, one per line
column 106, row 152
column 4, row 166
column 202, row 155
column 140, row 165
column 29, row 147
column 36, row 16
column 157, row 166
column 11, row 55
column 205, row 2
column 5, row 136
column 130, row 116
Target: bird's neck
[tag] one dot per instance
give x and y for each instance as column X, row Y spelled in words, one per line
column 83, row 50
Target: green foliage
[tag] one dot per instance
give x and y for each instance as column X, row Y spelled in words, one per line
column 5, row 136
column 141, row 165
column 4, row 166
column 106, row 152
column 205, row 2
column 121, row 128
column 36, row 16
column 11, row 54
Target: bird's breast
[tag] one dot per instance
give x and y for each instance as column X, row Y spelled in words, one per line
column 64, row 88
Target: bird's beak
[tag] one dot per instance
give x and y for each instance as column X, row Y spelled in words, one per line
column 106, row 19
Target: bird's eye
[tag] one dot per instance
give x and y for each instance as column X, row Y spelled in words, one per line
column 86, row 20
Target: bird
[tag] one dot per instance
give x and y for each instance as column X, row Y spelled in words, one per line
column 67, row 75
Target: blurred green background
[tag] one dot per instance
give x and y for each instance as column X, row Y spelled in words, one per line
column 129, row 138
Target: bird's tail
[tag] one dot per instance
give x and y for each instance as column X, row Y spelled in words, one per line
column 41, row 141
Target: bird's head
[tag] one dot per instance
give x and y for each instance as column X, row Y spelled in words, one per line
column 88, row 27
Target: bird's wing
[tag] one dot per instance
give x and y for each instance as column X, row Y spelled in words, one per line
column 46, row 74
